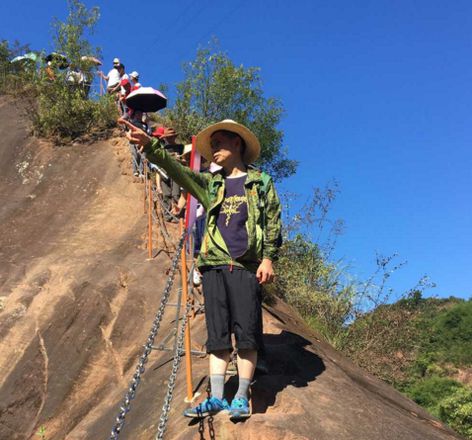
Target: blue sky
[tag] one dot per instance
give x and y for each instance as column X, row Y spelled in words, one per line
column 377, row 95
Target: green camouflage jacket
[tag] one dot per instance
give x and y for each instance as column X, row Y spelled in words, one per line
column 264, row 216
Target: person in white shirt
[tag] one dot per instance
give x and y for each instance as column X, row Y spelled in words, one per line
column 113, row 77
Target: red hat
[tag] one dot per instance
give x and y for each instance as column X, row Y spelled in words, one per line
column 158, row 132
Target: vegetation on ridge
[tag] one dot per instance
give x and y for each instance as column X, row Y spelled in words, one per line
column 421, row 346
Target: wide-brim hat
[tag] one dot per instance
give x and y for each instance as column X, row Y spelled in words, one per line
column 253, row 147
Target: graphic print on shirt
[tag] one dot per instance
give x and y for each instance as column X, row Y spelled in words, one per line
column 232, row 216
column 231, row 206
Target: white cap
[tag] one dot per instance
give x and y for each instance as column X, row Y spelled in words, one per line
column 134, row 74
column 116, row 61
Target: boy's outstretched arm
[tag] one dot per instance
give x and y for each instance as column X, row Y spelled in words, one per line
column 195, row 183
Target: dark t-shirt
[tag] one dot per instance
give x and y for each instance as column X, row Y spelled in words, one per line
column 177, row 148
column 233, row 216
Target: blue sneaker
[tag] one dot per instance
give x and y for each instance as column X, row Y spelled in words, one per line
column 239, row 409
column 208, row 407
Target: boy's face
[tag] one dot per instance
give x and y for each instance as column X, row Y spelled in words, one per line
column 224, row 148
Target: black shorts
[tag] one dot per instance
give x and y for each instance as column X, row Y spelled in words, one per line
column 232, row 305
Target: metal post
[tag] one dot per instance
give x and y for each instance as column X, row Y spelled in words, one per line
column 145, row 180
column 149, row 183
column 188, row 350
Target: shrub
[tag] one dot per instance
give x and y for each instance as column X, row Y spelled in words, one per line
column 431, row 391
column 310, row 284
column 384, row 342
column 64, row 113
column 451, row 335
column 456, row 411
column 58, row 108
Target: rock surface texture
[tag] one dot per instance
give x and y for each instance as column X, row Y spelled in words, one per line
column 78, row 297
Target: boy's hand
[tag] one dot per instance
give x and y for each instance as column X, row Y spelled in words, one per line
column 265, row 272
column 135, row 135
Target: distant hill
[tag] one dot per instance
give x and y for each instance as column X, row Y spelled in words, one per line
column 424, row 348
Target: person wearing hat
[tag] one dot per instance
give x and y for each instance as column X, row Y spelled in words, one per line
column 160, row 174
column 240, row 243
column 125, row 86
column 170, row 188
column 134, row 77
column 113, row 77
column 178, row 209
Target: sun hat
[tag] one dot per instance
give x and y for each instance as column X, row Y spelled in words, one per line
column 158, row 132
column 253, row 147
column 116, row 61
column 134, row 74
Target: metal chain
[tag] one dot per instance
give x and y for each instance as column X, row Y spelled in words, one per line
column 179, row 350
column 131, row 393
column 164, row 208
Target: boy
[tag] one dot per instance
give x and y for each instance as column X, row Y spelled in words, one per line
column 240, row 242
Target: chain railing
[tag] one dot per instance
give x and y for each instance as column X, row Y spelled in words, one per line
column 131, row 393
column 179, row 350
column 155, row 209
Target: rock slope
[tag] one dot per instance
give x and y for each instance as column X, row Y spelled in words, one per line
column 78, row 297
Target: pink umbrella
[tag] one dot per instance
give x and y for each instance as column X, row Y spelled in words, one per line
column 146, row 99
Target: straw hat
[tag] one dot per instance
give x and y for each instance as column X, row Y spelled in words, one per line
column 253, row 147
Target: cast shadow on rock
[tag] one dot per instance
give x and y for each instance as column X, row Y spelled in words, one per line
column 289, row 363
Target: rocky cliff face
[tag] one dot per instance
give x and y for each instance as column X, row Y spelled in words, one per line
column 77, row 300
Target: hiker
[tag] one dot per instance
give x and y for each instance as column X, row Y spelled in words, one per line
column 125, row 85
column 160, row 173
column 137, row 157
column 134, row 78
column 170, row 189
column 50, row 73
column 241, row 241
column 178, row 210
column 113, row 77
column 123, row 75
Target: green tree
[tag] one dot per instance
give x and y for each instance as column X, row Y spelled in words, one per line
column 213, row 89
column 63, row 110
column 71, row 36
column 10, row 72
column 11, row 50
